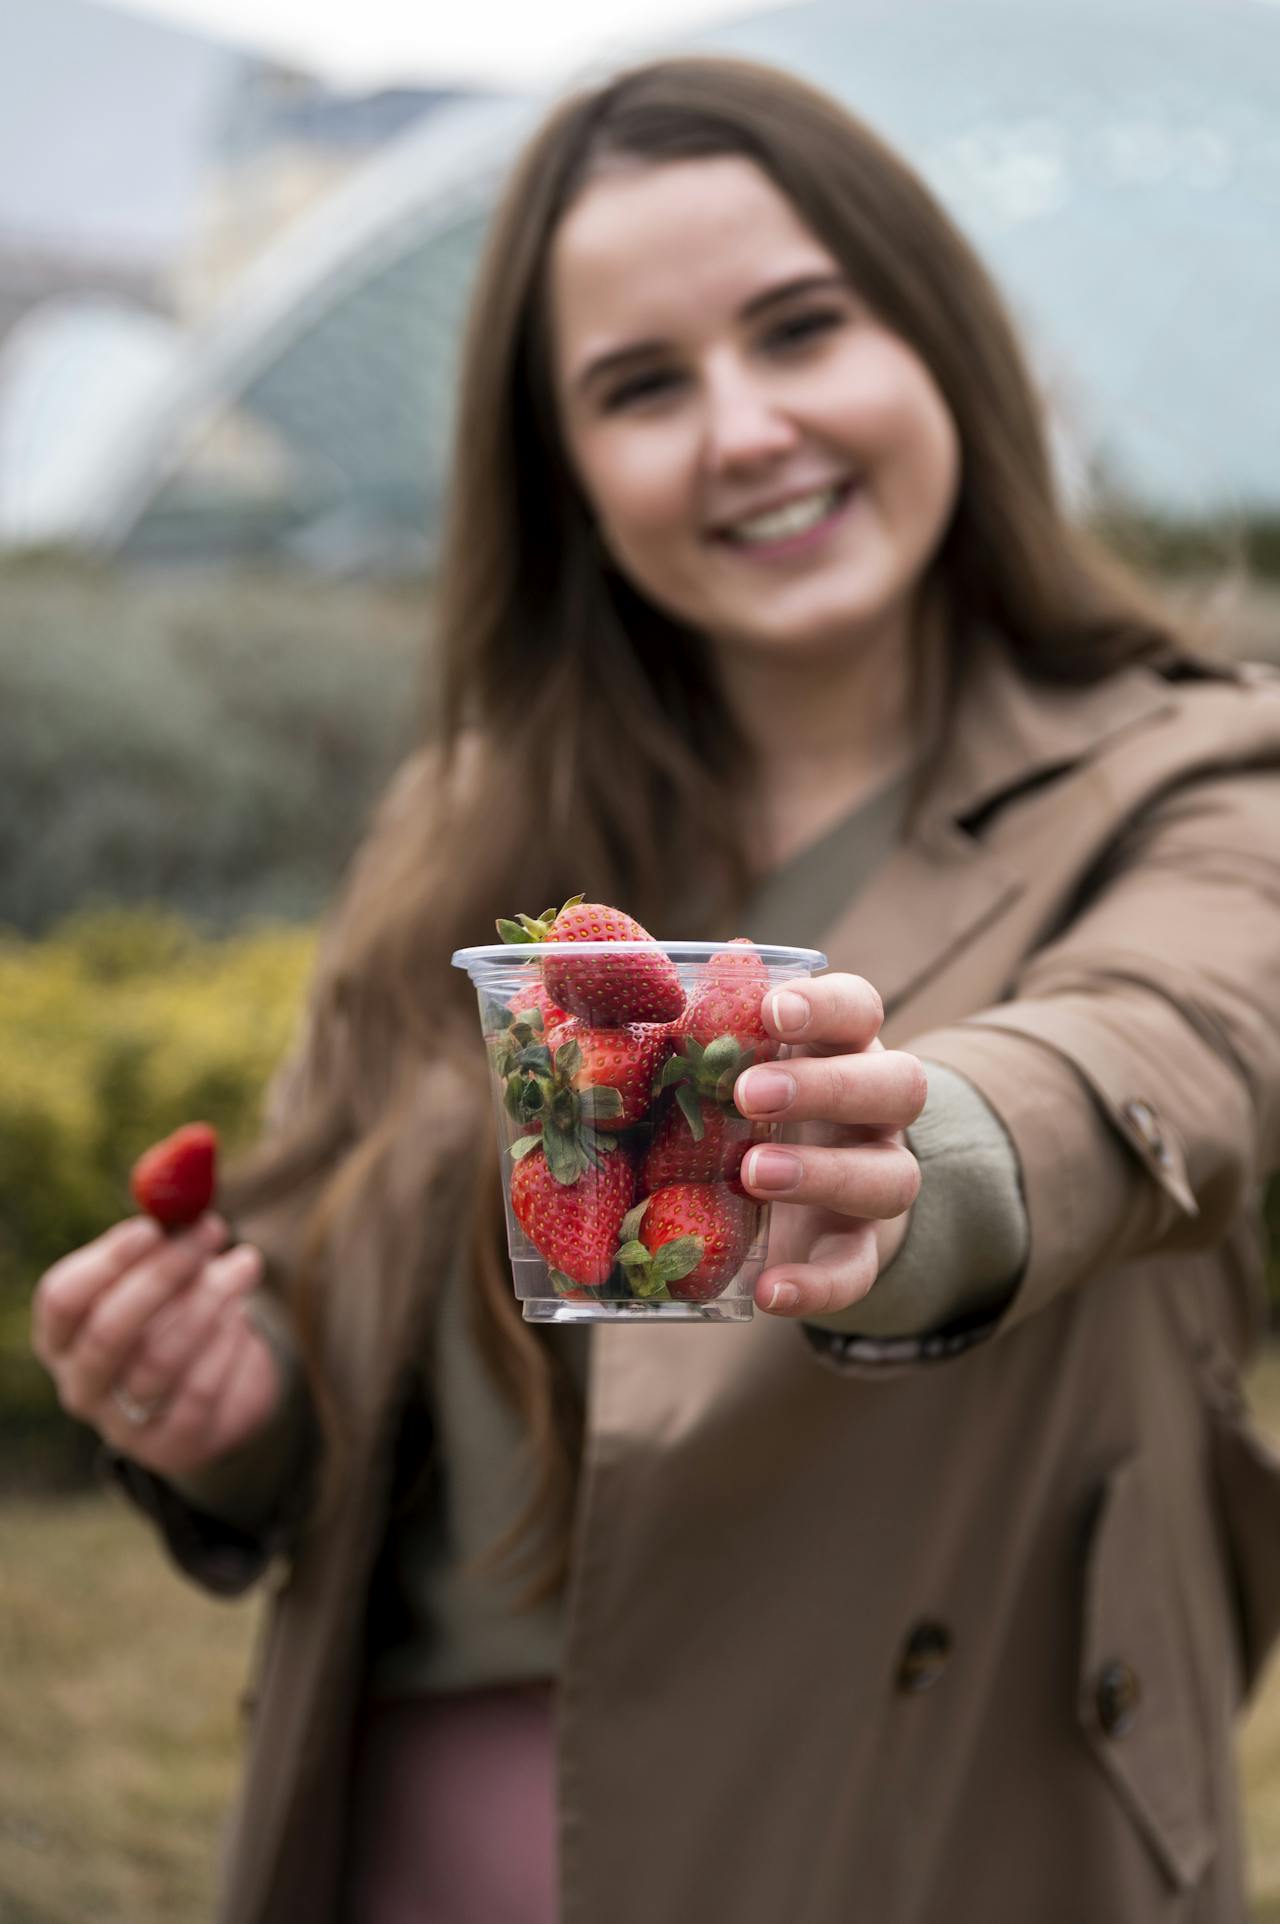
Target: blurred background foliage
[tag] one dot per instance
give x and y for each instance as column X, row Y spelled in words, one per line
column 186, row 762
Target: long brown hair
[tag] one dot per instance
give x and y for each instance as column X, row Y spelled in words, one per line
column 544, row 658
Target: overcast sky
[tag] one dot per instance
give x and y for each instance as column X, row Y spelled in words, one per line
column 515, row 43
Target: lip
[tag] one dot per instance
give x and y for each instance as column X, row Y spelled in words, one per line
column 845, row 482
column 789, row 546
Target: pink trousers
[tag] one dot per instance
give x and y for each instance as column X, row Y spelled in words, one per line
column 453, row 1810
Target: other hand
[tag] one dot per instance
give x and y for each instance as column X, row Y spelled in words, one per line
column 147, row 1337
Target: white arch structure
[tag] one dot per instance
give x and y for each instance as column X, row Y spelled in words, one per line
column 1118, row 163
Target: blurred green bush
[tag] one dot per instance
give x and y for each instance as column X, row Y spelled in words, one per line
column 114, row 1029
column 213, row 741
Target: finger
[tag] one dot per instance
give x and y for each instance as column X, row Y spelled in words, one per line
column 883, row 1087
column 844, row 1010
column 66, row 1292
column 875, row 1179
column 183, row 1431
column 117, row 1317
column 174, row 1338
column 841, row 1269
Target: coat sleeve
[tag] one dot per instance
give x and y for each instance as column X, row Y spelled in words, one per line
column 1136, row 1066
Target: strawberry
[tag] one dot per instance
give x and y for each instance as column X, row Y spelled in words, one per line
column 727, row 1002
column 174, row 1179
column 535, row 997
column 687, row 1241
column 605, row 990
column 711, row 1152
column 626, row 1059
column 573, row 1226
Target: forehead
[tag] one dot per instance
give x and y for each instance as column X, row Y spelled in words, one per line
column 649, row 249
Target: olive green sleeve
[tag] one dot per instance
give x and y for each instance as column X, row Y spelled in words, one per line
column 966, row 1242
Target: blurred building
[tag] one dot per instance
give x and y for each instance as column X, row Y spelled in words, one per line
column 1116, row 161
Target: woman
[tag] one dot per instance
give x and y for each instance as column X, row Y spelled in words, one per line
column 935, row 1589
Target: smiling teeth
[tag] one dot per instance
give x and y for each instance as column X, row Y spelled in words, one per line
column 796, row 518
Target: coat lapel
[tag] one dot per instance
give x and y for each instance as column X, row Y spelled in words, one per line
column 944, row 884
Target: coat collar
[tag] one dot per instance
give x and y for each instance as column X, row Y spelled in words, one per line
column 942, row 884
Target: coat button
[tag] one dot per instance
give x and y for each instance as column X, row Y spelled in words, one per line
column 1141, row 1118
column 1116, row 1697
column 924, row 1658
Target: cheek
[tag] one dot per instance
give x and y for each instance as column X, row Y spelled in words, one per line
column 640, row 487
column 920, row 445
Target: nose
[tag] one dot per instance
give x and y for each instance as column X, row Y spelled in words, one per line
column 745, row 428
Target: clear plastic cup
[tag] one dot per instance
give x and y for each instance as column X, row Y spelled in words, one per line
column 621, row 1146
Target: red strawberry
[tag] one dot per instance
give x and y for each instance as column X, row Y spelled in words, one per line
column 626, row 1059
column 174, row 1179
column 687, row 1241
column 715, row 1155
column 727, row 1001
column 605, row 990
column 535, row 997
column 573, row 1226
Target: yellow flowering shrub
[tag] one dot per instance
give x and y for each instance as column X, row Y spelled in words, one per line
column 114, row 1029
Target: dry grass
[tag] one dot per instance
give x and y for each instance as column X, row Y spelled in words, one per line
column 118, row 1703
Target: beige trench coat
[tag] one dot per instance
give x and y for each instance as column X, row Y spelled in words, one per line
column 954, row 1631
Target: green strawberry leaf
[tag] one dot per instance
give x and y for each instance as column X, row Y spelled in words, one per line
column 561, row 1283
column 537, row 1057
column 629, row 1228
column 533, row 930
column 497, row 1016
column 512, row 932
column 568, row 1059
column 678, row 1258
column 524, row 1147
column 601, row 1102
column 650, row 1287
column 691, row 1110
column 676, row 1068
column 565, row 1158
column 632, row 1255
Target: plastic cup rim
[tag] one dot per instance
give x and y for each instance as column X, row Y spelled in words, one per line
column 772, row 954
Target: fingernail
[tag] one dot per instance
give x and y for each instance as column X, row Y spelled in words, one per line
column 789, row 1012
column 785, row 1296
column 765, row 1089
column 773, row 1169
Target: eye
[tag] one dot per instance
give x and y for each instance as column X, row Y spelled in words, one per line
column 639, row 388
column 798, row 329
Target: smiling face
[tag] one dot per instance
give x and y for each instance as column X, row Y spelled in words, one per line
column 765, row 460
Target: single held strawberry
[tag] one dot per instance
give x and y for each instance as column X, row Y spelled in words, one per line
column 574, row 1226
column 174, row 1179
column 686, row 1242
column 727, row 1001
column 606, row 990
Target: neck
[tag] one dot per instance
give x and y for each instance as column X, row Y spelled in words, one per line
column 827, row 730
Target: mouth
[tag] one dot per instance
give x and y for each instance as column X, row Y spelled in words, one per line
column 790, row 522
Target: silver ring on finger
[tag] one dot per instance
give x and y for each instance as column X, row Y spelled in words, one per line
column 134, row 1412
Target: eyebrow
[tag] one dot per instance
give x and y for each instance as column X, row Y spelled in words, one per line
column 614, row 358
